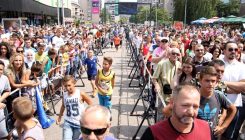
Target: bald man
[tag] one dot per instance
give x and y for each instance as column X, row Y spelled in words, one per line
column 95, row 123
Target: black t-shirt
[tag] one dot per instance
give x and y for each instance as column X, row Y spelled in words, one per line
column 210, row 108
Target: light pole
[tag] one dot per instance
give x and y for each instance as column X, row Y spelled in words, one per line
column 58, row 12
column 185, row 12
column 63, row 13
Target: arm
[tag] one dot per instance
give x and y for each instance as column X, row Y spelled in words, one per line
column 62, row 109
column 113, row 81
column 14, row 85
column 157, row 59
column 231, row 112
column 235, row 87
column 86, row 98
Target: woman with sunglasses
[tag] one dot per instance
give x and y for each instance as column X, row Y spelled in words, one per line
column 5, row 53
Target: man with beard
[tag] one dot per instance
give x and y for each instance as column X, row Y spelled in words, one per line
column 213, row 101
column 234, row 72
column 183, row 123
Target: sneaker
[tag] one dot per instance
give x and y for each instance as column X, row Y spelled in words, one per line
column 242, row 136
column 49, row 113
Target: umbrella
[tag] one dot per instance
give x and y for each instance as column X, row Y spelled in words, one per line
column 199, row 21
column 231, row 19
column 211, row 20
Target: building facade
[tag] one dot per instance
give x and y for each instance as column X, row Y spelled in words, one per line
column 35, row 12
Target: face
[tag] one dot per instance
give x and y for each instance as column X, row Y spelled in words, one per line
column 199, row 51
column 185, row 106
column 231, row 51
column 216, row 53
column 187, row 68
column 164, row 43
column 90, row 53
column 106, row 65
column 1, row 69
column 173, row 56
column 29, row 56
column 28, row 43
column 208, row 83
column 98, row 122
column 40, row 50
column 69, row 86
column 18, row 62
column 3, row 50
column 220, row 71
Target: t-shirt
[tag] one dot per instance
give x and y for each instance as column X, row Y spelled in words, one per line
column 91, row 65
column 164, row 130
column 4, row 86
column 209, row 109
column 105, row 81
column 35, row 133
column 41, row 58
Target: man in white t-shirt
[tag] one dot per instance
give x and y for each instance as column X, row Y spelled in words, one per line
column 57, row 40
column 234, row 72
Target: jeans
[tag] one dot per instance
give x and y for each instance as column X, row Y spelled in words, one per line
column 105, row 100
column 232, row 132
column 71, row 131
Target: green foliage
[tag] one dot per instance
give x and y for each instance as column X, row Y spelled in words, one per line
column 147, row 14
column 226, row 9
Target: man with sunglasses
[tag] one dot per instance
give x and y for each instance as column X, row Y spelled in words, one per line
column 199, row 59
column 95, row 123
column 234, row 72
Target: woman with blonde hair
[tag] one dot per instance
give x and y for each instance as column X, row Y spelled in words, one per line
column 16, row 73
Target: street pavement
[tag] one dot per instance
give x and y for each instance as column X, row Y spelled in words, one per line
column 123, row 125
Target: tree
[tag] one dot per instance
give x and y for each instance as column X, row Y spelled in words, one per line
column 226, row 9
column 195, row 9
column 105, row 16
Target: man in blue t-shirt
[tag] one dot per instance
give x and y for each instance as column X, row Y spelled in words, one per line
column 91, row 63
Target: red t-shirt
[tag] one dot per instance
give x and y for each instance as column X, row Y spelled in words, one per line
column 165, row 131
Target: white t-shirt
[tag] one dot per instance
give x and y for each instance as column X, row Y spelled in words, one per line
column 58, row 41
column 234, row 72
column 208, row 56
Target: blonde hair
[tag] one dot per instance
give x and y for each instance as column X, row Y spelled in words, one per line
column 11, row 65
column 22, row 108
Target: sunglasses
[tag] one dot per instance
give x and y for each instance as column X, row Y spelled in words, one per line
column 97, row 132
column 173, row 53
column 164, row 41
column 19, row 51
column 200, row 50
column 233, row 49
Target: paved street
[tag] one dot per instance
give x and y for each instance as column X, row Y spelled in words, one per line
column 123, row 125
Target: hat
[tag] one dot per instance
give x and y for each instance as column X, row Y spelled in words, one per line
column 164, row 38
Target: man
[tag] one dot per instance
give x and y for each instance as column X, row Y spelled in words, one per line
column 183, row 123
column 4, row 93
column 95, row 123
column 57, row 40
column 165, row 71
column 213, row 101
column 198, row 59
column 234, row 72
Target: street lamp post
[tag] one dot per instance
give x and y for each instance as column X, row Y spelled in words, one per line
column 185, row 12
column 63, row 13
column 58, row 12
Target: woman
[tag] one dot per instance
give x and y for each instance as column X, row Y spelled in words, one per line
column 16, row 74
column 190, row 51
column 216, row 52
column 5, row 53
column 186, row 74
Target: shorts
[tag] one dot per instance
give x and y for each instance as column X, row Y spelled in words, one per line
column 105, row 100
column 91, row 77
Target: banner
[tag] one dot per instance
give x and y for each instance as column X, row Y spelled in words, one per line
column 95, row 7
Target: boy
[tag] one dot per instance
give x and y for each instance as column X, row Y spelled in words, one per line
column 40, row 56
column 72, row 101
column 117, row 41
column 27, row 126
column 91, row 62
column 105, row 83
column 213, row 101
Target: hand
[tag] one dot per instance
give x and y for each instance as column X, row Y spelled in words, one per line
column 219, row 130
column 157, row 88
column 58, row 120
column 2, row 105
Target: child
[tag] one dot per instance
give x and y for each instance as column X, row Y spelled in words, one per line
column 27, row 126
column 91, row 62
column 73, row 103
column 105, row 83
column 117, row 41
column 64, row 61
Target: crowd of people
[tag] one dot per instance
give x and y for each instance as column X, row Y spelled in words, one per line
column 199, row 71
